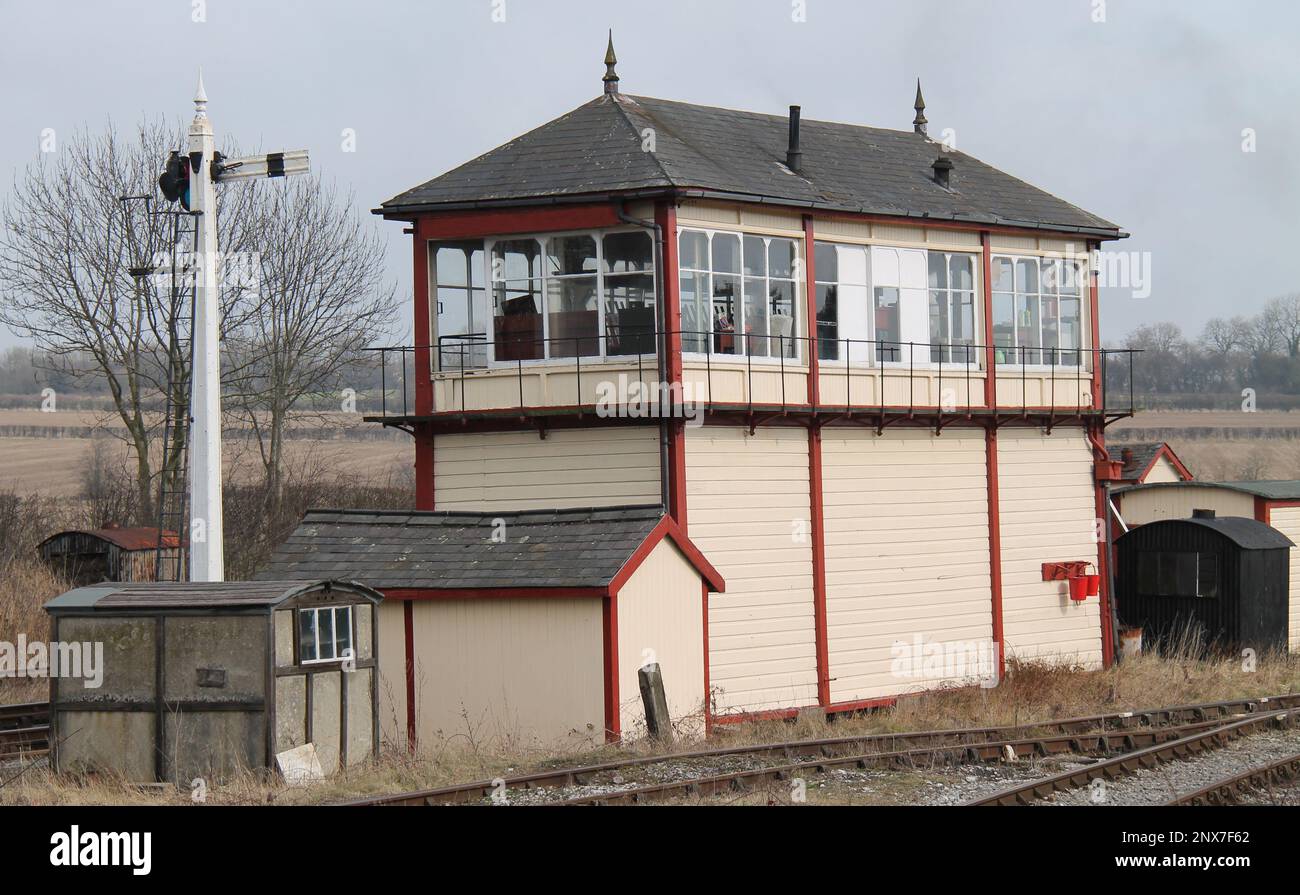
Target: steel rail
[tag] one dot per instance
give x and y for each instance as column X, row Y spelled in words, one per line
column 24, row 730
column 739, row 782
column 1124, row 765
column 1229, row 789
column 577, row 776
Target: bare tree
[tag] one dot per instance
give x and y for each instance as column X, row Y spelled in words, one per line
column 69, row 247
column 1282, row 316
column 321, row 299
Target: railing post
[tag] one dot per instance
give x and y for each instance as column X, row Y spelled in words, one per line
column 383, row 380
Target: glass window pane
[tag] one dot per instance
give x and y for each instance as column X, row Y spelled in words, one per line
column 826, row 263
column 694, row 247
column 630, row 320
column 780, row 320
column 1051, row 269
column 342, row 629
column 1003, row 280
column 888, row 324
column 696, row 314
column 962, row 272
column 726, row 253
column 516, row 259
column 828, row 330
column 325, row 623
column 476, row 267
column 1004, row 326
column 1071, row 278
column 1028, row 326
column 306, row 635
column 756, row 318
column 574, row 319
column 570, row 255
column 938, row 271
column 726, row 309
column 755, row 257
column 1026, row 275
column 1051, row 318
column 781, row 255
column 1207, row 575
column 938, row 320
column 450, row 263
column 629, row 252
column 517, row 320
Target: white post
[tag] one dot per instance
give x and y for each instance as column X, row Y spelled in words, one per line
column 205, row 536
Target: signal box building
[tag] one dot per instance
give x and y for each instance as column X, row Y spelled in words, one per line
column 860, row 370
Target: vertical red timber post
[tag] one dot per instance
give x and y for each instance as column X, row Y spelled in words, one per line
column 666, row 218
column 817, row 521
column 991, row 455
column 424, row 485
column 422, row 367
column 1097, row 434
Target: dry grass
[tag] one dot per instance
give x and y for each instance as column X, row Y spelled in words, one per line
column 1032, row 692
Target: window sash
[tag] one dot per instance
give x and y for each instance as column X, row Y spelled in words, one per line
column 557, row 335
column 1037, row 312
column 320, row 647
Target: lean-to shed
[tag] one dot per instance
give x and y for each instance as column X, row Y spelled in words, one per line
column 177, row 681
column 530, row 625
column 90, row 555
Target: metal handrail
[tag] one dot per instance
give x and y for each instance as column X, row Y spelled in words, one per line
column 883, row 359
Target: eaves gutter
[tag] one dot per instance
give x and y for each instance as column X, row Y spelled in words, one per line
column 409, row 212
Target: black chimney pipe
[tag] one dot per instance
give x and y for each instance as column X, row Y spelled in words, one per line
column 793, row 157
column 943, row 171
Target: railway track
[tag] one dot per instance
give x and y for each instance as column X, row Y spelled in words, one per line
column 1190, row 746
column 1095, row 733
column 24, row 730
column 1228, row 790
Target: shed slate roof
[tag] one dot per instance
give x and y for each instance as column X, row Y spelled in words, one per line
column 455, row 550
column 1248, row 534
column 193, row 595
column 596, row 150
column 1140, row 457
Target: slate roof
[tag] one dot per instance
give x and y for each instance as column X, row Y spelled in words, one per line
column 148, row 596
column 456, row 550
column 1142, row 455
column 595, row 151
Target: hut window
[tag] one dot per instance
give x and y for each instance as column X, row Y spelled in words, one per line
column 1037, row 311
column 1167, row 574
column 324, row 634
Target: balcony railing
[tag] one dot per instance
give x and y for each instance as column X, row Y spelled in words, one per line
column 857, row 372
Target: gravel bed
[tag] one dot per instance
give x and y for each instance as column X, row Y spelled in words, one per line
column 1156, row 786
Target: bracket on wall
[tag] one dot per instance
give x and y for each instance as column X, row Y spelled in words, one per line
column 1061, row 571
column 541, row 429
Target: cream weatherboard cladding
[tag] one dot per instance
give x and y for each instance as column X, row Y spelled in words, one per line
column 1287, row 521
column 1163, row 471
column 661, row 619
column 748, row 512
column 390, row 618
column 1171, row 502
column 525, row 670
column 605, row 466
column 907, row 554
column 1047, row 506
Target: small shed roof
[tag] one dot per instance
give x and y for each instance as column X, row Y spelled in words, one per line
column 148, row 596
column 592, row 547
column 1140, row 457
column 1279, row 489
column 1248, row 534
column 142, row 538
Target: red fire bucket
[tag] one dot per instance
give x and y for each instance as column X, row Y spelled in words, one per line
column 1079, row 588
column 1094, row 584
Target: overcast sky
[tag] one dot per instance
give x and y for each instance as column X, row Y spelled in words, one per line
column 1138, row 119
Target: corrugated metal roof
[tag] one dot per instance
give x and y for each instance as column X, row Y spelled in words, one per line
column 462, row 550
column 126, row 538
column 195, row 595
column 598, row 149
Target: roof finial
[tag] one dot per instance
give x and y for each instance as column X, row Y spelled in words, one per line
column 611, row 76
column 919, row 123
column 200, row 99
